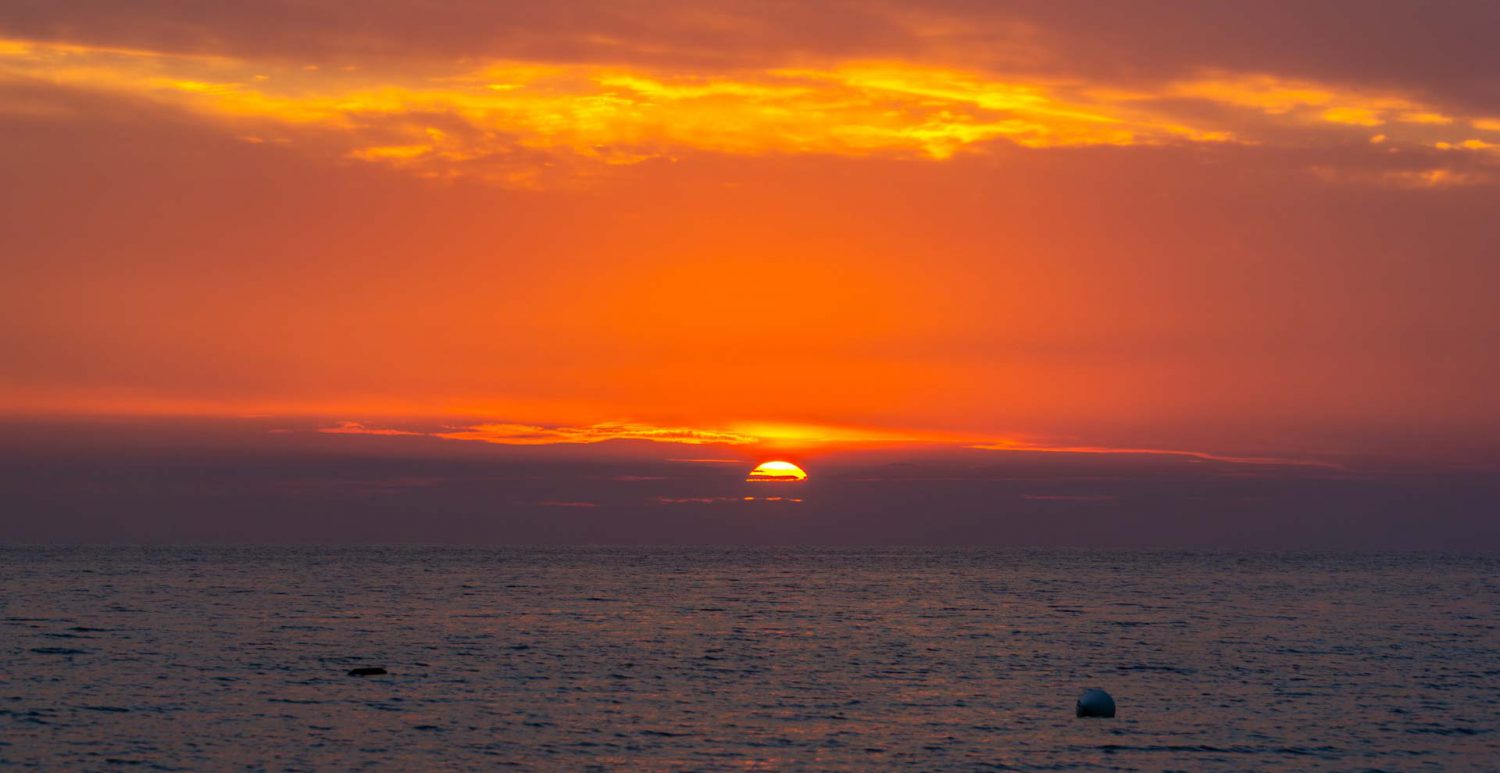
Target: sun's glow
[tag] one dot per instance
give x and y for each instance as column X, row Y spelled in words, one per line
column 776, row 472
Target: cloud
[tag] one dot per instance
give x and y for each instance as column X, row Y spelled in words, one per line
column 529, row 123
column 798, row 436
column 725, row 500
column 611, row 114
column 356, row 428
column 1424, row 178
column 528, row 435
column 1030, row 447
column 735, row 434
column 1469, row 144
column 1297, row 100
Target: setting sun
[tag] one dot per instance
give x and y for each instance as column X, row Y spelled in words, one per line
column 776, row 472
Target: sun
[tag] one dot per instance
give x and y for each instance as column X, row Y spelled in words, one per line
column 776, row 472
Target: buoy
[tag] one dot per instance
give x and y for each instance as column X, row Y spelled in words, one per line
column 1095, row 703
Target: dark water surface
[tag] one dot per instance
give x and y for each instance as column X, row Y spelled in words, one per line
column 720, row 659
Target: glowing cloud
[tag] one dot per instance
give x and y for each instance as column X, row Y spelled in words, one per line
column 523, row 123
column 786, row 437
column 1273, row 95
column 356, row 428
column 610, row 114
column 528, row 435
column 1309, row 102
column 739, row 434
column 765, row 435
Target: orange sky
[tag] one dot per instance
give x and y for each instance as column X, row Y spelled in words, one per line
column 1221, row 230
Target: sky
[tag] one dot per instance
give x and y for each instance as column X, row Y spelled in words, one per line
column 1179, row 274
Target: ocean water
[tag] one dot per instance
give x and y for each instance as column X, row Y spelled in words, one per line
column 735, row 659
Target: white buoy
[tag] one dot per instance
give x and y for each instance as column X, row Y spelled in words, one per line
column 1095, row 703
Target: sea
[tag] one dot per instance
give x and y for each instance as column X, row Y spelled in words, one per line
column 704, row 658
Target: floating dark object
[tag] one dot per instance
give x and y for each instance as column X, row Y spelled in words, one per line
column 1095, row 703
column 382, row 672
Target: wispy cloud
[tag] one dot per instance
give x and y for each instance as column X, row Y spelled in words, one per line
column 758, row 435
column 1303, row 99
column 1423, row 178
column 768, row 437
column 1022, row 446
column 356, row 428
column 611, row 114
column 516, row 122
column 726, row 500
column 527, row 434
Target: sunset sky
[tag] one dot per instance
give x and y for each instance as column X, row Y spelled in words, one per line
column 1177, row 273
